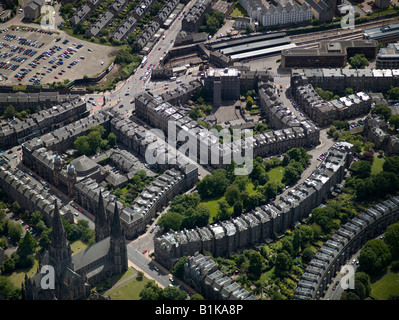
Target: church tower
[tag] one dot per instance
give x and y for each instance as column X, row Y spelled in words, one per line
column 101, row 224
column 60, row 254
column 118, row 245
column 71, row 179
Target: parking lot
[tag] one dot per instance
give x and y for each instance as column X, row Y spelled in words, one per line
column 35, row 56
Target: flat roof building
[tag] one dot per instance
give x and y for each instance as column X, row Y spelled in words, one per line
column 384, row 34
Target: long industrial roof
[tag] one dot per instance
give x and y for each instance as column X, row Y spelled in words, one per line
column 255, row 46
column 382, row 32
column 262, row 52
column 248, row 39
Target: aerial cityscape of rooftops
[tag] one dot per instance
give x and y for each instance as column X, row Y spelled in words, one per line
column 199, row 150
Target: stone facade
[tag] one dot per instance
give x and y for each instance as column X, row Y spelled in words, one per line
column 29, row 195
column 41, row 122
column 145, row 206
column 195, row 16
column 375, row 131
column 76, row 274
column 205, row 146
column 202, row 274
column 279, row 12
column 346, row 241
column 325, row 112
column 262, row 223
column 337, row 80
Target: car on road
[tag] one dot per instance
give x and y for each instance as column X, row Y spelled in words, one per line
column 144, row 251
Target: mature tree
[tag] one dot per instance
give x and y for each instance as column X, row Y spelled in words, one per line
column 8, row 290
column 238, row 207
column 14, row 231
column 287, row 245
column 325, row 95
column 358, row 61
column 27, row 245
column 307, row 254
column 45, row 239
column 223, row 212
column 214, row 184
column 374, row 256
column 67, row 10
column 249, row 102
column 15, row 207
column 151, row 291
column 324, row 218
column 241, row 181
column 361, row 169
column 393, row 93
column 347, row 295
column 364, row 278
column 381, row 110
column 298, row 155
column 111, row 139
column 392, row 239
column 283, row 264
column 36, row 217
column 82, row 145
column 170, row 220
column 307, row 234
column 94, row 140
column 196, row 113
column 255, row 264
column 292, row 172
column 250, row 201
column 178, row 268
column 391, row 164
column 196, row 296
column 25, row 251
column 232, row 194
column 173, row 293
column 9, row 112
column 202, row 215
column 270, row 190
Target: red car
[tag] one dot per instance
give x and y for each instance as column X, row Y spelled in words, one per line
column 144, row 251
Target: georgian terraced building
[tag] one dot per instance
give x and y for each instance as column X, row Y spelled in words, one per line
column 260, row 224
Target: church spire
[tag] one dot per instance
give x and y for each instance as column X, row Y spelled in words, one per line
column 60, row 253
column 102, row 225
column 58, row 235
column 116, row 229
column 118, row 245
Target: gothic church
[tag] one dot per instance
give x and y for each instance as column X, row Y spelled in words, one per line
column 76, row 274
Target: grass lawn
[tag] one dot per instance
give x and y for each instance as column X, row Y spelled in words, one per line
column 130, row 290
column 377, row 165
column 18, row 276
column 78, row 246
column 213, row 206
column 265, row 276
column 383, row 288
column 238, row 11
column 276, row 174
